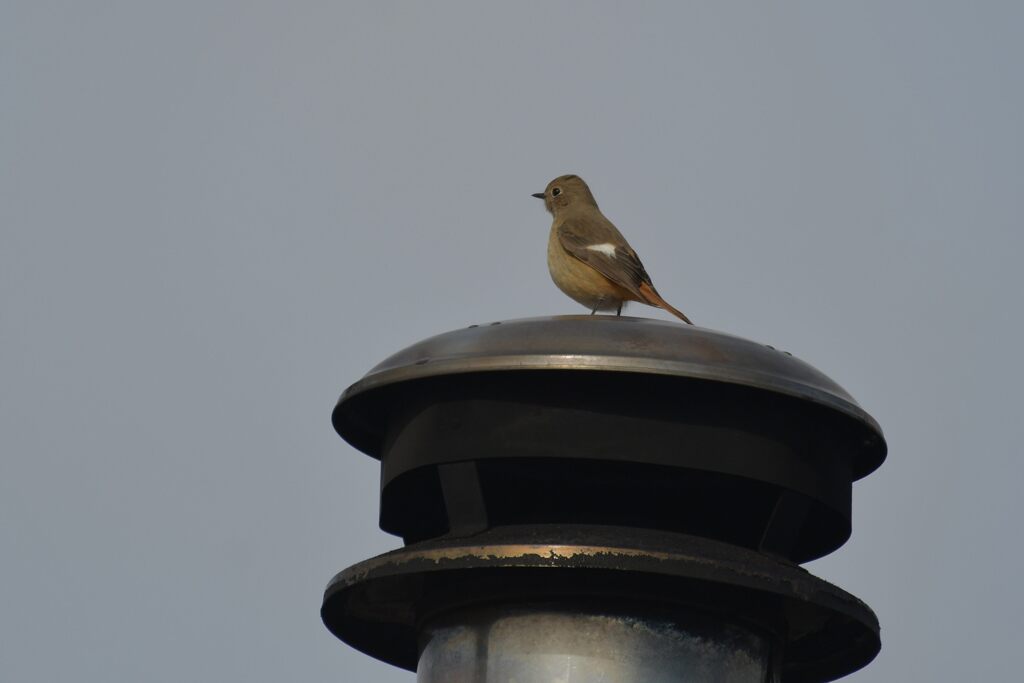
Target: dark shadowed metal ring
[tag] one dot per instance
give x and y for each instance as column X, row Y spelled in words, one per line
column 378, row 605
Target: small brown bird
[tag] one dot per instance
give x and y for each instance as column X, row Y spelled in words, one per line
column 588, row 257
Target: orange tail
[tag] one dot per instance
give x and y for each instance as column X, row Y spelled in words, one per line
column 654, row 299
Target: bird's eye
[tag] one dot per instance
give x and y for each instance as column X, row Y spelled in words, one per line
column 555, row 192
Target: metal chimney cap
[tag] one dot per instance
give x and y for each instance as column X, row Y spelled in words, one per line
column 588, row 343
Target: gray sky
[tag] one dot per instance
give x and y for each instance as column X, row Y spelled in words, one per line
column 214, row 216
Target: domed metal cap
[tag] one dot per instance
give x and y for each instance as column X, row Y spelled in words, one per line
column 603, row 344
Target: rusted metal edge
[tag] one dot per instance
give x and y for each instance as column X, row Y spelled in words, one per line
column 733, row 566
column 376, row 605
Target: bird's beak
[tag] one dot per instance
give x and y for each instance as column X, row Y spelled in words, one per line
column 538, row 195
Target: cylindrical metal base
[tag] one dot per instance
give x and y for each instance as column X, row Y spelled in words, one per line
column 541, row 645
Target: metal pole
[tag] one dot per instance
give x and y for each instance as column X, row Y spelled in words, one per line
column 542, row 645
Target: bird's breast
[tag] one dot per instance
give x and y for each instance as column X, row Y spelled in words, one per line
column 579, row 281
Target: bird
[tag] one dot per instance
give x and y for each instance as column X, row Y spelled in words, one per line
column 588, row 258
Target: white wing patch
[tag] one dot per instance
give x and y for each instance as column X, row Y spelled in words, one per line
column 607, row 248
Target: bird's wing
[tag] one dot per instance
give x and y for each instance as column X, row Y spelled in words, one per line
column 602, row 248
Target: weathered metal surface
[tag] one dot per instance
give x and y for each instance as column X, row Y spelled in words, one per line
column 605, row 344
column 379, row 605
column 612, row 343
column 535, row 644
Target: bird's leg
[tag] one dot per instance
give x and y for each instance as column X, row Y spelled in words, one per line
column 619, row 310
column 600, row 301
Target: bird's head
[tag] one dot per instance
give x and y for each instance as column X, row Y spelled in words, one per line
column 564, row 192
